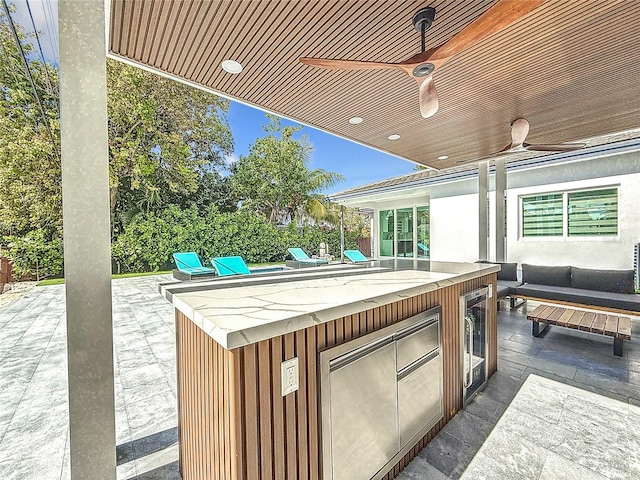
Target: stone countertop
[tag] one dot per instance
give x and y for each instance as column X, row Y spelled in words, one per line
column 243, row 310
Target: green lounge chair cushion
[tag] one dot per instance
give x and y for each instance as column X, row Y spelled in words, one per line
column 298, row 253
column 189, row 262
column 230, row 266
column 300, row 256
column 355, row 256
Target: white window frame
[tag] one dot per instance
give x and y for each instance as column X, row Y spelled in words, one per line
column 565, row 216
column 395, row 231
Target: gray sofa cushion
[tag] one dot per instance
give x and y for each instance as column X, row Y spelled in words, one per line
column 546, row 275
column 619, row 281
column 501, row 290
column 509, row 285
column 596, row 298
column 508, row 271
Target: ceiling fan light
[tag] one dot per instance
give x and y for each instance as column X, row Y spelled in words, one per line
column 231, row 66
column 355, row 120
column 423, row 69
column 394, row 136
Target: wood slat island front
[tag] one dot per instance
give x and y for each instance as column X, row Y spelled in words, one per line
column 234, row 423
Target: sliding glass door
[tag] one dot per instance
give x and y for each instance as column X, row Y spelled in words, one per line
column 404, row 232
column 422, row 230
column 387, row 240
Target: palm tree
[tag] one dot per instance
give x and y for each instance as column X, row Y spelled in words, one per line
column 312, row 204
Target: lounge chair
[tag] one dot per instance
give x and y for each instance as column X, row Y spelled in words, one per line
column 189, row 264
column 230, row 266
column 355, row 256
column 424, row 248
column 303, row 260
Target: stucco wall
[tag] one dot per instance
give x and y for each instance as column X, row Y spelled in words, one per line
column 454, row 218
column 454, row 214
column 591, row 252
column 454, row 228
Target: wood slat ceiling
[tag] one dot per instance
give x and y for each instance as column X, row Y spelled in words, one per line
column 571, row 68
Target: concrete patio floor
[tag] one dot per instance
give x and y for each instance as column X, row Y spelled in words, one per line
column 557, row 438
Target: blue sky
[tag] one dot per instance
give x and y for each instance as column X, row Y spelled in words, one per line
column 358, row 164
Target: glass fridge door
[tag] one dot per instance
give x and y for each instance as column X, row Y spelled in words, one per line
column 474, row 344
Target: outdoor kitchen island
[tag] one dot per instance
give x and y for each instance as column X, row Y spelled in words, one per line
column 254, row 355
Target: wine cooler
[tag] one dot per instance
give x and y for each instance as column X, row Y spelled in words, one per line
column 473, row 316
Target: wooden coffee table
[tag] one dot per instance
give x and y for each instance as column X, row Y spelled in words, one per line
column 595, row 322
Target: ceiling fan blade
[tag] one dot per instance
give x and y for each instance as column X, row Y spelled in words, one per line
column 560, row 147
column 519, row 132
column 507, row 149
column 335, row 64
column 498, row 17
column 428, row 96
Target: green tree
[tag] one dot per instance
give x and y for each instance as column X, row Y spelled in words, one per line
column 214, row 189
column 167, row 144
column 30, row 172
column 354, row 221
column 30, row 169
column 35, row 254
column 165, row 139
column 274, row 178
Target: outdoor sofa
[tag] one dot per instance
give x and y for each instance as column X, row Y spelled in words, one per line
column 611, row 290
column 507, row 281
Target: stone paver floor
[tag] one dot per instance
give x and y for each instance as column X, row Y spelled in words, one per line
column 560, row 407
column 33, row 383
column 581, row 367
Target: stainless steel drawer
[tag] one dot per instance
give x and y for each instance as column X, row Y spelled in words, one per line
column 416, row 341
column 375, row 390
column 419, row 397
column 363, row 412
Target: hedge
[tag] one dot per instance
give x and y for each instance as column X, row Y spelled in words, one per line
column 148, row 242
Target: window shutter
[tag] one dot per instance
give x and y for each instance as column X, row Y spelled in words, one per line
column 593, row 212
column 542, row 215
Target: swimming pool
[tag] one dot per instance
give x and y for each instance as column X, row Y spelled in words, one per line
column 267, row 269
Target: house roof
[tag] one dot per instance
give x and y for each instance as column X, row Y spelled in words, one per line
column 600, row 146
column 406, row 180
column 570, row 68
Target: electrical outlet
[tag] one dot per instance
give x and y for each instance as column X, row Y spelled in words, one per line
column 490, row 293
column 289, row 371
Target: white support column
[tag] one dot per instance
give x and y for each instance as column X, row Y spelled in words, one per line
column 87, row 256
column 483, row 211
column 375, row 253
column 341, row 233
column 415, row 232
column 501, row 186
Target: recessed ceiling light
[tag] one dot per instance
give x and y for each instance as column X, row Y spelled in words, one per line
column 231, row 66
column 395, row 136
column 443, row 157
column 355, row 120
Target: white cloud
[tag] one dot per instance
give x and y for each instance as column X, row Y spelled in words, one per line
column 231, row 159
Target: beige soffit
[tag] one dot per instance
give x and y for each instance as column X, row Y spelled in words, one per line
column 570, row 67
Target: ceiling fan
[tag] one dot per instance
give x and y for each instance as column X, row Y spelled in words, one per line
column 519, row 132
column 421, row 66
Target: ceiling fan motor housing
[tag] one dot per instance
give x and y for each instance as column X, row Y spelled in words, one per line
column 424, row 16
column 422, row 21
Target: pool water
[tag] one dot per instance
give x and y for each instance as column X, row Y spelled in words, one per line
column 267, row 269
